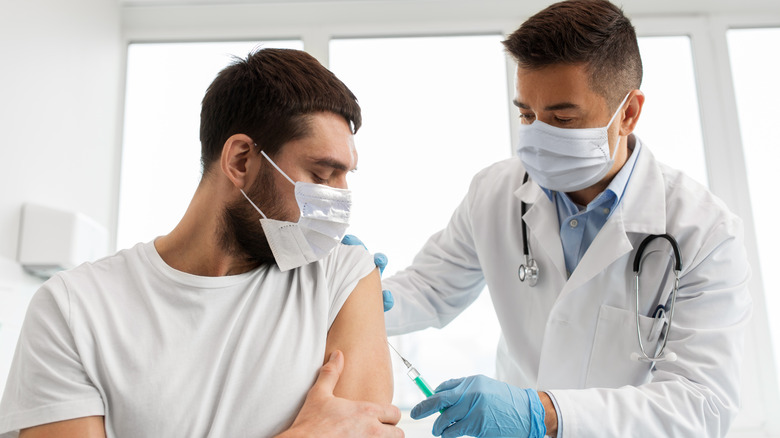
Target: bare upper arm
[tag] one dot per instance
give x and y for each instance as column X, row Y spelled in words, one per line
column 359, row 332
column 85, row 427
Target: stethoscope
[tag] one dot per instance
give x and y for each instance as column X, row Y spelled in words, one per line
column 529, row 271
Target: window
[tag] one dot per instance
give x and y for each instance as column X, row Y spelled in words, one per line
column 161, row 147
column 670, row 123
column 435, row 112
column 755, row 79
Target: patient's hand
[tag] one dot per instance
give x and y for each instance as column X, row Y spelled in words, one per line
column 325, row 415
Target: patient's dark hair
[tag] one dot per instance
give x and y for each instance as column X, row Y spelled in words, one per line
column 270, row 96
column 593, row 32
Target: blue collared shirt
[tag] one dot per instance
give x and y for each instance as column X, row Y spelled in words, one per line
column 579, row 225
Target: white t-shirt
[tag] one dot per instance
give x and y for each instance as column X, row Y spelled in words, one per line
column 162, row 353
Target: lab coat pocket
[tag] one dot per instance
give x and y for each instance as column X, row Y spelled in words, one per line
column 611, row 365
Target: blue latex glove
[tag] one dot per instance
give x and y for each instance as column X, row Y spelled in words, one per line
column 479, row 406
column 380, row 260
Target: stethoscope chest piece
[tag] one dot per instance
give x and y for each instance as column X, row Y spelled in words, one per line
column 528, row 271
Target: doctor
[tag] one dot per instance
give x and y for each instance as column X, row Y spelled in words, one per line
column 568, row 356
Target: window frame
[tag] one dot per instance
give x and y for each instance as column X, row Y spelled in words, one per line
column 319, row 22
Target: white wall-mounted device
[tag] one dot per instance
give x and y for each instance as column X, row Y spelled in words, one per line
column 52, row 240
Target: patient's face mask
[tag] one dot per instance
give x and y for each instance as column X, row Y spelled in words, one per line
column 566, row 160
column 323, row 222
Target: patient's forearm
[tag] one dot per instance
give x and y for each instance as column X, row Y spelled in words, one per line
column 325, row 415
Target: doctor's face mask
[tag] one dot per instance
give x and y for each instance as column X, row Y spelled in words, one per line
column 566, row 160
column 324, row 219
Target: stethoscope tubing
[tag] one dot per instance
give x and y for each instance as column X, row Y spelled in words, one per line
column 530, row 271
column 673, row 298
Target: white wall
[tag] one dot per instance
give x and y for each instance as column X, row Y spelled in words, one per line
column 62, row 64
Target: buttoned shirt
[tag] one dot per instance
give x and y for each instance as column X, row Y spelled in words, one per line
column 579, row 224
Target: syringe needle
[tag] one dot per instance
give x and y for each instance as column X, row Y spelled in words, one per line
column 406, row 362
column 414, row 375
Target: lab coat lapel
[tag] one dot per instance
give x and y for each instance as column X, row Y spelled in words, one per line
column 542, row 220
column 644, row 203
column 642, row 210
column 610, row 244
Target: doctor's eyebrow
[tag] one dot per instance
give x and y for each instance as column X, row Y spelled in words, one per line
column 555, row 107
column 519, row 104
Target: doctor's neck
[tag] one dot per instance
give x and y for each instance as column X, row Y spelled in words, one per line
column 588, row 194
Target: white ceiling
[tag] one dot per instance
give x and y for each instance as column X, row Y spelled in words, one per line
column 244, row 2
column 644, row 7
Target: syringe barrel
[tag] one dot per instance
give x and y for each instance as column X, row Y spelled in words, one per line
column 419, row 381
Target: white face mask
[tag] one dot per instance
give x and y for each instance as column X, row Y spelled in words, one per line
column 566, row 160
column 324, row 220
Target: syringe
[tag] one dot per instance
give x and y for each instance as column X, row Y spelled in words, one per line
column 414, row 374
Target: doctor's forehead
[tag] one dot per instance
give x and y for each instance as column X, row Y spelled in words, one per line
column 555, row 87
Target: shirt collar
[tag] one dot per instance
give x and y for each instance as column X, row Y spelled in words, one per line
column 611, row 196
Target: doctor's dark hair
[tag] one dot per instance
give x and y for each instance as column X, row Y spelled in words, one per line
column 270, row 96
column 593, row 32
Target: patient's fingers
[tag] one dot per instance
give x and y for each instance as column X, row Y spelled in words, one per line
column 329, row 374
column 389, row 414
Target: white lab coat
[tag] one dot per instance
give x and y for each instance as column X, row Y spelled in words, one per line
column 574, row 337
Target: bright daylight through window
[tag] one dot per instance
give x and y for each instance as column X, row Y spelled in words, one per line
column 670, row 122
column 436, row 110
column 757, row 114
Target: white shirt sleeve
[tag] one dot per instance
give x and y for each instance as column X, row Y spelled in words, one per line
column 558, row 416
column 344, row 268
column 47, row 381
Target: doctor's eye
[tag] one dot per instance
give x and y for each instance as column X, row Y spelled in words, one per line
column 562, row 120
column 527, row 117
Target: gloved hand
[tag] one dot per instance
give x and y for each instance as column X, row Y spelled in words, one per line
column 479, row 406
column 380, row 260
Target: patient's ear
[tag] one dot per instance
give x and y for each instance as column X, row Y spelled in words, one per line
column 237, row 159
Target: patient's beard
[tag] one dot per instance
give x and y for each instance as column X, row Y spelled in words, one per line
column 241, row 231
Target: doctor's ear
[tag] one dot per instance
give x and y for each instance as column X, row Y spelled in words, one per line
column 238, row 159
column 631, row 111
